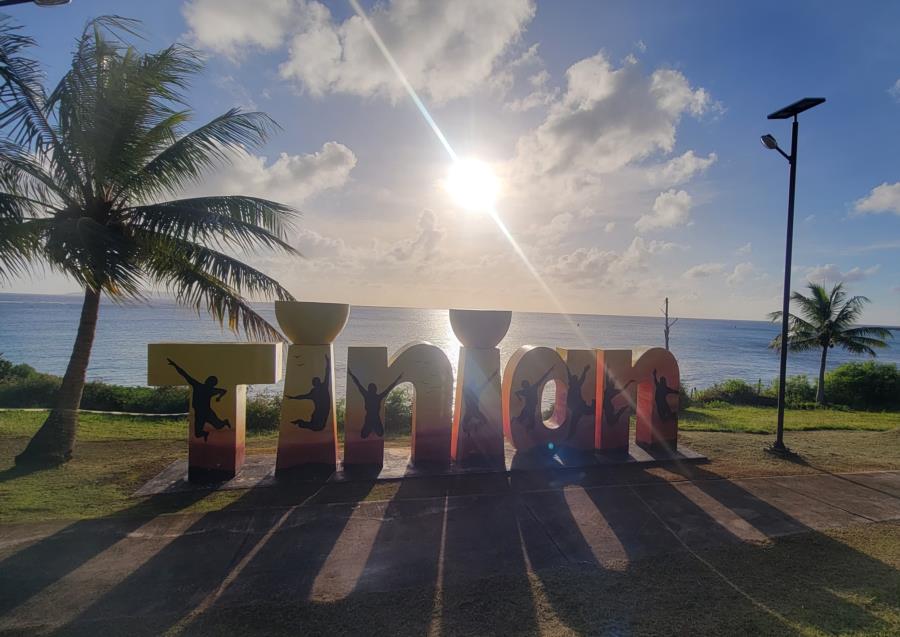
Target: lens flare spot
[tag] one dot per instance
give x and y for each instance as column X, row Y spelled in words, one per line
column 473, row 185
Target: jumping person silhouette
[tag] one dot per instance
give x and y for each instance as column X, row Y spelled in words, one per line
column 201, row 394
column 472, row 416
column 661, row 391
column 610, row 391
column 529, row 394
column 373, row 401
column 576, row 408
column 320, row 395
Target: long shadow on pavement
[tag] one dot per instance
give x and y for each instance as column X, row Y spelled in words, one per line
column 190, row 571
column 30, row 570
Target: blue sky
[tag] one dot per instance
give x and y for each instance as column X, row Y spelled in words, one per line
column 625, row 136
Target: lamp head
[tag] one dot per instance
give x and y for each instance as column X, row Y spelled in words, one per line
column 769, row 142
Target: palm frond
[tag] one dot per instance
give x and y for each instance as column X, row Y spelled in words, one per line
column 186, row 160
column 203, row 278
column 20, row 245
column 244, row 222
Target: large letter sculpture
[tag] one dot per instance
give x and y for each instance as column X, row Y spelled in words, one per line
column 370, row 378
column 307, row 436
column 478, row 415
column 218, row 375
column 526, row 373
column 576, row 403
column 649, row 384
column 615, row 399
column 657, row 378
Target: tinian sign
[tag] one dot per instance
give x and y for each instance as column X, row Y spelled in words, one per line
column 596, row 393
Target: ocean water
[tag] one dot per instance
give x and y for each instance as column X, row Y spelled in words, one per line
column 40, row 329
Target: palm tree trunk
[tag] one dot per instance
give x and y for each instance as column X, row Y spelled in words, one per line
column 820, row 388
column 52, row 444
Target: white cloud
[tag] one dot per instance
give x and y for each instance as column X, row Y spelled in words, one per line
column 830, row 273
column 681, row 169
column 704, row 270
column 895, row 90
column 424, row 245
column 583, row 266
column 671, row 208
column 609, row 227
column 445, row 49
column 541, row 94
column 608, row 117
column 228, row 26
column 741, row 272
column 747, row 248
column 290, row 179
column 883, row 198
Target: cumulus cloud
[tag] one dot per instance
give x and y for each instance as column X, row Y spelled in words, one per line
column 894, row 91
column 583, row 266
column 830, row 273
column 671, row 208
column 883, row 198
column 747, row 248
column 445, row 49
column 704, row 270
column 290, row 179
column 742, row 272
column 424, row 245
column 590, row 266
column 608, row 117
column 541, row 94
column 681, row 169
column 228, row 26
column 609, row 227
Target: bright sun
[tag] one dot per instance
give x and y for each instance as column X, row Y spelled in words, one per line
column 473, row 185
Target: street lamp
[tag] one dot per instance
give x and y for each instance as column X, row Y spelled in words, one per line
column 769, row 142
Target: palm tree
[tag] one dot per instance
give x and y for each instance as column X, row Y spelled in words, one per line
column 829, row 319
column 84, row 175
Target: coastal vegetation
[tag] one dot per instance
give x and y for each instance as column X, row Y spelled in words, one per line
column 87, row 172
column 829, row 319
column 732, row 405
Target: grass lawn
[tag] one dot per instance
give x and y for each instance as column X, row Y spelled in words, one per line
column 761, row 420
column 115, row 455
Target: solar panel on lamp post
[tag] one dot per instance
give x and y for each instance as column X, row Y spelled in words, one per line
column 769, row 142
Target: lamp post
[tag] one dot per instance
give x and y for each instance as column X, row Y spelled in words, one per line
column 769, row 142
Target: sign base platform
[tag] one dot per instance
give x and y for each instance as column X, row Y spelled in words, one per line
column 259, row 470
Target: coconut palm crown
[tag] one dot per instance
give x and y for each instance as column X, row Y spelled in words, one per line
column 87, row 171
column 829, row 319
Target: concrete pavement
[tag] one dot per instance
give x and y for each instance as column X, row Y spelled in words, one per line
column 161, row 572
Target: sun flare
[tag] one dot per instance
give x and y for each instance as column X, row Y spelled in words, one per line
column 473, row 185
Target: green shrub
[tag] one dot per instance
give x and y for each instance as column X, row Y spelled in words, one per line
column 263, row 412
column 735, row 392
column 868, row 385
column 684, row 398
column 148, row 400
column 797, row 391
column 38, row 390
column 24, row 387
column 11, row 372
column 398, row 412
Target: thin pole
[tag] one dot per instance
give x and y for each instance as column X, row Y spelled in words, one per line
column 667, row 323
column 786, row 303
